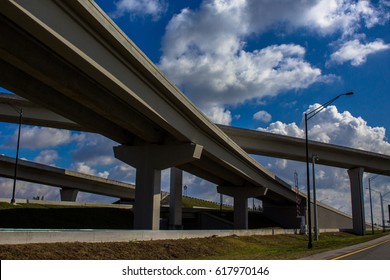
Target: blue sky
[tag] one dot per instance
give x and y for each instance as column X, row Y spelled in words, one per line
column 254, row 64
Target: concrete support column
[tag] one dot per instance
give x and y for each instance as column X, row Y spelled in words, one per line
column 357, row 199
column 147, row 209
column 241, row 195
column 175, row 199
column 149, row 160
column 68, row 194
column 240, row 212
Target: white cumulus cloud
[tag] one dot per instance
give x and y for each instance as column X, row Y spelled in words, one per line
column 219, row 115
column 357, row 52
column 205, row 50
column 281, row 128
column 152, row 8
column 43, row 137
column 344, row 16
column 47, row 157
column 263, row 116
column 26, row 190
column 339, row 128
column 95, row 150
column 86, row 169
column 329, row 126
column 215, row 79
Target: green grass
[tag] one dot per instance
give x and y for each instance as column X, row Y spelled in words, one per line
column 279, row 247
column 283, row 247
column 6, row 205
column 191, row 202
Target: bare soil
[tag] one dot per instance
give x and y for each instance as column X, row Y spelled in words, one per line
column 164, row 250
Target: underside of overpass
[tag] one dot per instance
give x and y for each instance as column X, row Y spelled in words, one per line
column 71, row 59
column 255, row 142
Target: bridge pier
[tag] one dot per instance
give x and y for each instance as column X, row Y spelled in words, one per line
column 149, row 160
column 68, row 194
column 241, row 195
column 175, row 199
column 357, row 200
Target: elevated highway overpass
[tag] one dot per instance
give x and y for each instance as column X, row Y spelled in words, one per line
column 69, row 57
column 287, row 147
column 69, row 181
column 252, row 141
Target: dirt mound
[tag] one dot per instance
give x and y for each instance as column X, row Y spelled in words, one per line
column 148, row 250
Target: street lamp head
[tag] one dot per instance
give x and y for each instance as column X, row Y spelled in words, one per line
column 314, row 112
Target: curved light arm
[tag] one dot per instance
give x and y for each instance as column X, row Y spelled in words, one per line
column 320, row 108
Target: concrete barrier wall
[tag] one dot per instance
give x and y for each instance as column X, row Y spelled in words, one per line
column 328, row 217
column 331, row 218
column 53, row 236
column 68, row 203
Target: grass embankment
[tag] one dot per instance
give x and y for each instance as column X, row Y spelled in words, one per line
column 191, row 202
column 279, row 247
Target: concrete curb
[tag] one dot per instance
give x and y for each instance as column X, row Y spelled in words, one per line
column 53, row 236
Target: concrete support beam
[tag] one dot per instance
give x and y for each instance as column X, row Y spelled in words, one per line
column 67, row 179
column 357, row 199
column 241, row 195
column 68, row 194
column 175, row 199
column 149, row 160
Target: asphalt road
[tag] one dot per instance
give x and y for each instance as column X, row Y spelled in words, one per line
column 377, row 249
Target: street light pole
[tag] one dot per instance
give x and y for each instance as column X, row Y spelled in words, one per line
column 316, row 230
column 369, row 190
column 20, row 112
column 310, row 244
column 372, row 178
column 308, row 116
column 383, row 213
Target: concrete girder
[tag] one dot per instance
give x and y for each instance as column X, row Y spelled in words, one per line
column 163, row 156
column 42, row 94
column 66, row 179
column 287, row 147
column 47, row 71
column 149, row 160
column 68, row 194
column 32, row 114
